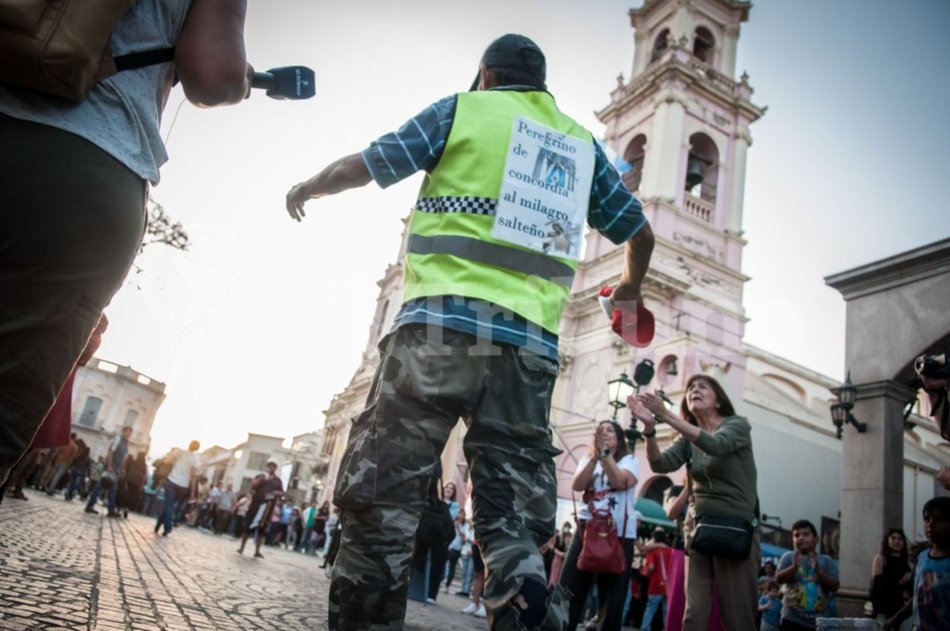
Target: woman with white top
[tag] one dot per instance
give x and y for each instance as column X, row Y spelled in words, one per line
column 608, row 479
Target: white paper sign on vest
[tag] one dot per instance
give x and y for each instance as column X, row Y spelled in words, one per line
column 545, row 190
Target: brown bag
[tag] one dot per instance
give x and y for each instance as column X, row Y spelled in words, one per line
column 61, row 47
column 601, row 552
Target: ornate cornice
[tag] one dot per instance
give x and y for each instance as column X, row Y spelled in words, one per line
column 679, row 66
column 734, row 6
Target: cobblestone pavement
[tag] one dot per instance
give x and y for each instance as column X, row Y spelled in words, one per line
column 61, row 568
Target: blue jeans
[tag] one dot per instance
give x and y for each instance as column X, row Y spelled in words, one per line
column 94, row 495
column 174, row 494
column 467, row 573
column 76, row 482
column 653, row 603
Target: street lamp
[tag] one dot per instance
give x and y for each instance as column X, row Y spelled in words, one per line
column 618, row 390
column 841, row 409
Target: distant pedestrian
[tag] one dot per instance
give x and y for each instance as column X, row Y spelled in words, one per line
column 562, row 540
column 657, row 570
column 309, row 520
column 770, row 606
column 225, row 506
column 891, row 577
column 455, row 548
column 179, row 484
column 115, row 458
column 465, row 557
column 78, row 470
column 241, row 507
column 131, row 484
column 61, row 461
column 267, row 490
column 335, row 534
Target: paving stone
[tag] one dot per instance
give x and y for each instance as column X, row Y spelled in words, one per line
column 63, row 568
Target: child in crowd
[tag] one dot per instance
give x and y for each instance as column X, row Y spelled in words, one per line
column 809, row 578
column 770, row 606
column 931, row 602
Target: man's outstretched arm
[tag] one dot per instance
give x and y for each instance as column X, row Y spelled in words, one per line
column 346, row 173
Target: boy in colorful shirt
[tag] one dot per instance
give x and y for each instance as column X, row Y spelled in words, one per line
column 809, row 579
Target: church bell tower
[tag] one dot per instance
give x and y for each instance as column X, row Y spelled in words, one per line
column 680, row 129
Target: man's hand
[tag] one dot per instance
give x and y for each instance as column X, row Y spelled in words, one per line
column 296, row 198
column 625, row 296
column 346, row 173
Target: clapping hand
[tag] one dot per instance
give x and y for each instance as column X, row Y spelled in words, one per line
column 652, row 402
column 641, row 413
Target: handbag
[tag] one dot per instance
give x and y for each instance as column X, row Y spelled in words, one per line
column 725, row 537
column 601, row 552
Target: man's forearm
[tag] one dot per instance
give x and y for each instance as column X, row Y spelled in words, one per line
column 347, row 172
column 639, row 249
column 637, row 253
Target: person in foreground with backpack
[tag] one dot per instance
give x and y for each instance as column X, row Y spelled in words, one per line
column 608, row 479
column 74, row 183
column 720, row 526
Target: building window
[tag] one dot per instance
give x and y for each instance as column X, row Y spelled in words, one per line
column 256, row 461
column 634, row 156
column 90, row 411
column 702, row 169
column 660, row 44
column 703, row 44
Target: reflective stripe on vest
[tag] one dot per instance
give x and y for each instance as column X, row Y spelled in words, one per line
column 478, row 251
column 450, row 248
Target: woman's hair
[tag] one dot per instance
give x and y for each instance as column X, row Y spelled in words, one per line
column 621, row 441
column 725, row 405
column 886, row 549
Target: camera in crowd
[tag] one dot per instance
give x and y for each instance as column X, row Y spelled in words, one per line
column 932, row 366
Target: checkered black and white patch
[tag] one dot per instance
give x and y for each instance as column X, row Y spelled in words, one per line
column 472, row 205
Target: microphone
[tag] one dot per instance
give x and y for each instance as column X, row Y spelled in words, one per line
column 288, row 83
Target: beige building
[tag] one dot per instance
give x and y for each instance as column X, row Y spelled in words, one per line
column 108, row 397
column 682, row 124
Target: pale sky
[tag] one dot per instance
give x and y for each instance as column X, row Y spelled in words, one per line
column 264, row 320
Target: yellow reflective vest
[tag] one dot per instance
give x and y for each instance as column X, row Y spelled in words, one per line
column 450, row 248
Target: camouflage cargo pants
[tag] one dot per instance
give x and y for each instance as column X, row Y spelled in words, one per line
column 428, row 378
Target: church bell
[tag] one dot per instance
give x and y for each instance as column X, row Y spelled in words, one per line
column 694, row 171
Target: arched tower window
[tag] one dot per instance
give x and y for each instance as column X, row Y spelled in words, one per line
column 634, row 155
column 703, row 44
column 702, row 173
column 660, row 44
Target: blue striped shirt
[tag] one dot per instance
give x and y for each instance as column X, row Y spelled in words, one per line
column 418, row 146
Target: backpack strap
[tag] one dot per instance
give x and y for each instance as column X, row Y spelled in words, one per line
column 144, row 58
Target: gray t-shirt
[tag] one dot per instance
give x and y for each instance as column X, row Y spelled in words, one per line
column 122, row 113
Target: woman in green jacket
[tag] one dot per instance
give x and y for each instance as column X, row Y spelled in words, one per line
column 716, row 447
